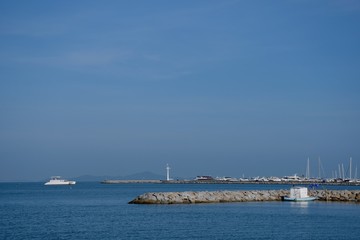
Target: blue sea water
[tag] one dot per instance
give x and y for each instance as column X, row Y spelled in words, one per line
column 98, row 211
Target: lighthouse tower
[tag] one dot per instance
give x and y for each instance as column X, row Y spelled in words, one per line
column 167, row 172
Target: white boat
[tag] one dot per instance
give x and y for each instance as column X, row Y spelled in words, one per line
column 293, row 178
column 56, row 180
column 299, row 194
column 203, row 178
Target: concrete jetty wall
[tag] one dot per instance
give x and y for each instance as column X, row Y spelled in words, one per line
column 239, row 196
column 129, row 181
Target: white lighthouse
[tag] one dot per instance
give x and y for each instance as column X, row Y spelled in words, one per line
column 167, row 172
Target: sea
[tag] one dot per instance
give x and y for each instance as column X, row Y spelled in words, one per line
column 91, row 210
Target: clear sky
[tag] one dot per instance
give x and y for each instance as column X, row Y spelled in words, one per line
column 220, row 88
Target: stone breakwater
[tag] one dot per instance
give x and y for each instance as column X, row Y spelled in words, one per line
column 239, row 196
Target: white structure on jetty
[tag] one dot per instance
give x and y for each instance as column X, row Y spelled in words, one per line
column 167, row 172
column 299, row 194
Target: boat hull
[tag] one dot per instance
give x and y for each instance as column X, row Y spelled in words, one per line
column 305, row 199
column 62, row 183
column 56, row 183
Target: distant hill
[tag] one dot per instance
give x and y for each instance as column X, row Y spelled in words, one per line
column 144, row 176
column 90, row 178
column 136, row 176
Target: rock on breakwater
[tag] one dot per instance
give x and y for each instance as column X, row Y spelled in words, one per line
column 209, row 197
column 337, row 195
column 239, row 196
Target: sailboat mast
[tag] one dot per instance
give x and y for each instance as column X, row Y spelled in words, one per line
column 308, row 169
column 350, row 167
column 319, row 174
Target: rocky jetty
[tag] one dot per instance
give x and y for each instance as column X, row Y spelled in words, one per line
column 337, row 195
column 239, row 196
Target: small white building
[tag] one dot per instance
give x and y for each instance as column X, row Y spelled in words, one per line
column 299, row 192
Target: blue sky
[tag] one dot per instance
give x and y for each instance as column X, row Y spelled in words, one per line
column 210, row 87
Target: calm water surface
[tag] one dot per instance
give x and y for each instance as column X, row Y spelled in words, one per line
column 96, row 211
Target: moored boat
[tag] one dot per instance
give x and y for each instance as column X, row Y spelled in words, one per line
column 299, row 194
column 56, row 180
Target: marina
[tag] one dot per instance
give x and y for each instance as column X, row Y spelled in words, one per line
column 254, row 182
column 348, row 179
